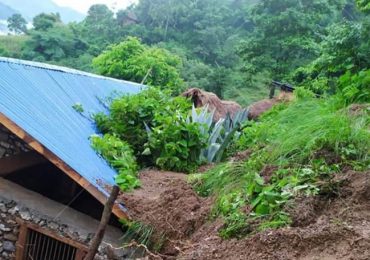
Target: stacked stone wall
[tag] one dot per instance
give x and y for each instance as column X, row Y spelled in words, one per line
column 9, row 231
column 10, row 144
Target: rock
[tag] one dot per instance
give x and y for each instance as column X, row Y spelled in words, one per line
column 11, row 222
column 10, row 237
column 25, row 215
column 3, row 207
column 9, row 246
column 4, row 228
column 36, row 219
column 53, row 225
column 14, row 210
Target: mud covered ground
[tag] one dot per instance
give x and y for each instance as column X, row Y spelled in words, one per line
column 331, row 226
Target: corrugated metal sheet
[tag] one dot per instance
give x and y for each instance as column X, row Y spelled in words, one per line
column 39, row 99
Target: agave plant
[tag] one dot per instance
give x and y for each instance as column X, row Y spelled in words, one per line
column 220, row 133
column 231, row 128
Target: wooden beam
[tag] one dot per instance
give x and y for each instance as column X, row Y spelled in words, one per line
column 20, row 161
column 40, row 148
column 51, row 233
column 99, row 235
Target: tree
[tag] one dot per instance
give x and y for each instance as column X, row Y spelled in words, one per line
column 286, row 34
column 44, row 21
column 131, row 60
column 100, row 27
column 17, row 24
column 363, row 5
column 57, row 43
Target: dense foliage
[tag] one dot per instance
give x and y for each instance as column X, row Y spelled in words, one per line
column 133, row 61
column 156, row 126
column 233, row 48
column 120, row 156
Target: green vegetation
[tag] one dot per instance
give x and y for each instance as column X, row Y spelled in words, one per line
column 120, row 156
column 17, row 24
column 295, row 149
column 133, row 61
column 233, row 48
column 157, row 129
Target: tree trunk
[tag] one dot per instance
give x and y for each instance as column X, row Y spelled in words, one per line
column 96, row 241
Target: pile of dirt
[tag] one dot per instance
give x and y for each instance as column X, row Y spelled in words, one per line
column 166, row 202
column 259, row 107
column 201, row 98
column 323, row 228
column 329, row 226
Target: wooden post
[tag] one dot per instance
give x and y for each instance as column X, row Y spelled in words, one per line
column 96, row 241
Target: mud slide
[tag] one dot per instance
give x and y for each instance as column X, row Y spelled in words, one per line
column 331, row 226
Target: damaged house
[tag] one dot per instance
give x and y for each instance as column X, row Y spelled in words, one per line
column 52, row 183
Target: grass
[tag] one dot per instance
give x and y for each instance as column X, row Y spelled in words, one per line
column 305, row 142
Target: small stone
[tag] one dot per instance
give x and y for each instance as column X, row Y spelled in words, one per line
column 36, row 219
column 11, row 222
column 3, row 215
column 13, row 210
column 10, row 237
column 53, row 225
column 25, row 215
column 3, row 208
column 4, row 228
column 9, row 246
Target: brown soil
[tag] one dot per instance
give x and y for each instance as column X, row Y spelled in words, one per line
column 166, row 202
column 324, row 227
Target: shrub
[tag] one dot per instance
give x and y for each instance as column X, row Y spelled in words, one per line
column 355, row 87
column 120, row 156
column 129, row 115
column 156, row 126
column 175, row 143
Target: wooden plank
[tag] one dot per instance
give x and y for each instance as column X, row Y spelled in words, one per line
column 52, row 234
column 40, row 148
column 20, row 161
column 80, row 255
column 21, row 242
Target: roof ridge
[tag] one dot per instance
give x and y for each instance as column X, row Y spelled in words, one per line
column 46, row 66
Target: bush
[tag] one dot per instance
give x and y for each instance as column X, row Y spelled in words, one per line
column 175, row 143
column 156, row 126
column 129, row 115
column 355, row 87
column 120, row 156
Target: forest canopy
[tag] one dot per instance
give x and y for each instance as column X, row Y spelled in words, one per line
column 233, row 48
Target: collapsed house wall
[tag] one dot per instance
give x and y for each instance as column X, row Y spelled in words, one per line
column 17, row 203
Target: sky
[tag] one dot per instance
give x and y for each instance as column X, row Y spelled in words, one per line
column 83, row 5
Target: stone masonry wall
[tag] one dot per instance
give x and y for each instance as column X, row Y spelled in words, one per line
column 9, row 230
column 10, row 144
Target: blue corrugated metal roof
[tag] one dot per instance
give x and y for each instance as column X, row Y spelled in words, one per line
column 39, row 99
